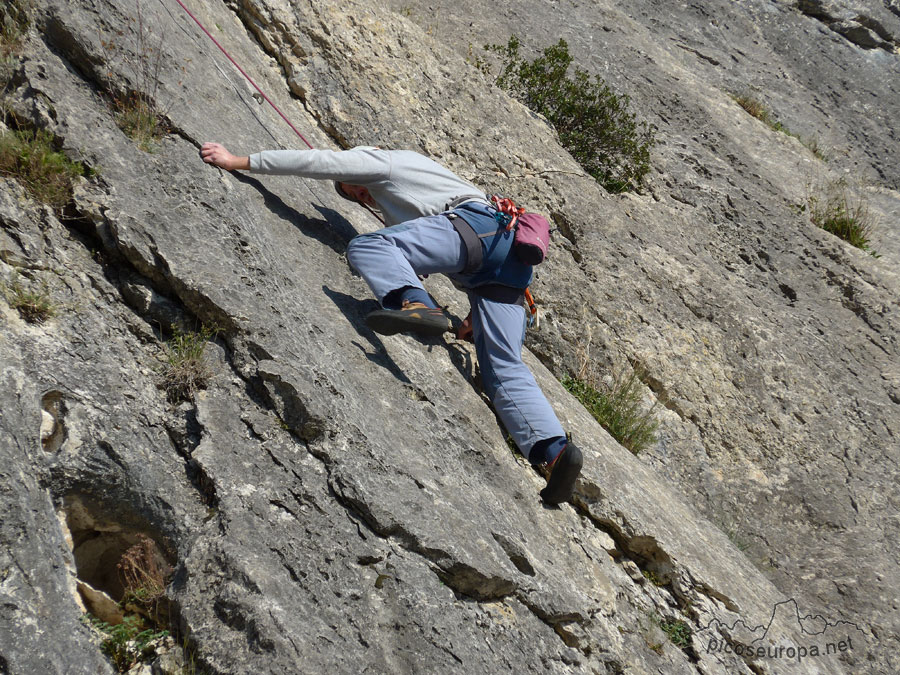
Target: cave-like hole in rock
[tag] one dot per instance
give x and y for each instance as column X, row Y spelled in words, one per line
column 121, row 569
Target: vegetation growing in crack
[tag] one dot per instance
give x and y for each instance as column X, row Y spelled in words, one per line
column 136, row 111
column 653, row 578
column 127, row 643
column 617, row 403
column 14, row 22
column 756, row 108
column 843, row 212
column 33, row 305
column 144, row 577
column 185, row 371
column 45, row 173
column 678, row 632
column 144, row 624
column 594, row 123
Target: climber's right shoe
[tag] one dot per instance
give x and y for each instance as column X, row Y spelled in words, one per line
column 563, row 472
column 415, row 317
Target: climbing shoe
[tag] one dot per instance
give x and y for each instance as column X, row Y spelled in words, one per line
column 563, row 472
column 415, row 317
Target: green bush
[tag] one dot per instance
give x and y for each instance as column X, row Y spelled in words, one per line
column 46, row 174
column 842, row 212
column 618, row 408
column 593, row 122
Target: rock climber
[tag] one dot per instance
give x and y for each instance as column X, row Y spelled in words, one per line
column 438, row 223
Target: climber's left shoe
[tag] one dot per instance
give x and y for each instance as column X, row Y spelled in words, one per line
column 563, row 473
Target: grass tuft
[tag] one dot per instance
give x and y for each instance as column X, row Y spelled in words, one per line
column 46, row 174
column 34, row 306
column 594, row 123
column 185, row 372
column 138, row 118
column 127, row 643
column 756, row 108
column 137, row 112
column 844, row 213
column 618, row 407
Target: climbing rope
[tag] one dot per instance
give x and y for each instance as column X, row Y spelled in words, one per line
column 263, row 94
column 242, row 72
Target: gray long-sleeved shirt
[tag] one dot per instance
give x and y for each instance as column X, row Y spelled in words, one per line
column 403, row 183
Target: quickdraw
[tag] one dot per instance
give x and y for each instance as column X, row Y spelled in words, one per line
column 507, row 211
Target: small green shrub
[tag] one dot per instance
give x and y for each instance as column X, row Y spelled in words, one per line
column 185, row 372
column 842, row 212
column 619, row 408
column 46, row 174
column 678, row 632
column 127, row 643
column 593, row 122
column 34, row 306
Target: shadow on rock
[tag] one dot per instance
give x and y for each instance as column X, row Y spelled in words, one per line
column 355, row 310
column 335, row 231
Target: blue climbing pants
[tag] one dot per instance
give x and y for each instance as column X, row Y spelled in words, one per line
column 392, row 258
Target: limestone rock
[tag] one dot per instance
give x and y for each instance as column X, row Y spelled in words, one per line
column 336, row 501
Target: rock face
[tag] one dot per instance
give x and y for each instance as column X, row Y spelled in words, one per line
column 335, row 501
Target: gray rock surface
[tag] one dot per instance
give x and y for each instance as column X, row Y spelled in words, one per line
column 337, row 501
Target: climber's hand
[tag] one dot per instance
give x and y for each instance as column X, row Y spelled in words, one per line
column 464, row 332
column 217, row 155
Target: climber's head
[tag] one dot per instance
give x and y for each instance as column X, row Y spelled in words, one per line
column 355, row 193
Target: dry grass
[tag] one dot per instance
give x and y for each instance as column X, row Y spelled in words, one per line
column 136, row 111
